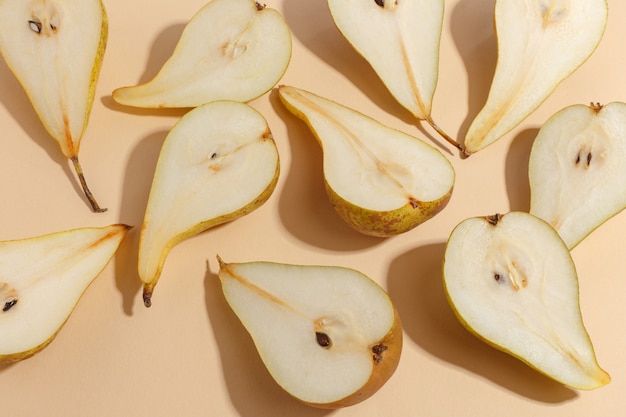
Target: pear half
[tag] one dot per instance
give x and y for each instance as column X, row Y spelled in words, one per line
column 540, row 43
column 55, row 49
column 512, row 282
column 41, row 281
column 230, row 50
column 329, row 336
column 576, row 169
column 400, row 40
column 381, row 181
column 219, row 162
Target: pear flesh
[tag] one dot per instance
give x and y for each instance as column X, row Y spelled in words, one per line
column 41, row 281
column 512, row 282
column 55, row 49
column 381, row 181
column 576, row 169
column 329, row 336
column 219, row 162
column 540, row 43
column 230, row 50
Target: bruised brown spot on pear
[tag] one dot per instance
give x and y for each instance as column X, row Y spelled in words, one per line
column 323, row 339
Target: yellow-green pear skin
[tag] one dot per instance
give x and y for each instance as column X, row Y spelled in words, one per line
column 55, row 49
column 43, row 278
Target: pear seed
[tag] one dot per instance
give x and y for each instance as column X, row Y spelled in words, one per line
column 497, row 277
column 323, row 340
column 9, row 304
column 34, row 26
column 381, row 3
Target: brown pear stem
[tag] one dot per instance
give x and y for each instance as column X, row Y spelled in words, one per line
column 81, row 177
column 447, row 137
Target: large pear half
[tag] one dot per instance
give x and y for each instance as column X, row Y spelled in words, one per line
column 219, row 162
column 576, row 169
column 230, row 50
column 540, row 43
column 381, row 181
column 512, row 282
column 55, row 49
column 42, row 279
column 329, row 336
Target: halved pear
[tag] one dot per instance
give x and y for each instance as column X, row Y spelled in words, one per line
column 576, row 169
column 540, row 43
column 230, row 50
column 512, row 282
column 218, row 163
column 41, row 281
column 329, row 336
column 55, row 49
column 381, row 181
column 400, row 40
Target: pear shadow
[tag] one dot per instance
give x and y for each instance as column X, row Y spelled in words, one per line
column 516, row 171
column 136, row 189
column 304, row 207
column 5, row 366
column 467, row 18
column 415, row 284
column 252, row 390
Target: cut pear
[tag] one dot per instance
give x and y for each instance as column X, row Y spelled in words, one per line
column 55, row 49
column 230, row 50
column 41, row 281
column 512, row 282
column 381, row 181
column 400, row 40
column 576, row 169
column 219, row 162
column 329, row 336
column 540, row 43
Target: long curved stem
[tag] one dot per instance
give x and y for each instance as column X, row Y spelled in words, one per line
column 83, row 183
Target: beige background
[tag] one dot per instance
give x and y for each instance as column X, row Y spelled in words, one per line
column 188, row 355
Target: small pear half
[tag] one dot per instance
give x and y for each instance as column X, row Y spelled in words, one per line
column 230, row 50
column 381, row 181
column 512, row 282
column 576, row 169
column 329, row 336
column 400, row 40
column 55, row 50
column 219, row 162
column 41, row 281
column 540, row 43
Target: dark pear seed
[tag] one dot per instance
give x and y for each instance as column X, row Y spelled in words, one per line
column 9, row 304
column 381, row 3
column 322, row 339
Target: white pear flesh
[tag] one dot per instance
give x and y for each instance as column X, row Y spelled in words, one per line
column 400, row 40
column 219, row 162
column 381, row 181
column 230, row 50
column 41, row 281
column 576, row 169
column 540, row 43
column 512, row 282
column 55, row 50
column 329, row 336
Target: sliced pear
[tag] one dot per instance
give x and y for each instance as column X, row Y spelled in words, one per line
column 55, row 50
column 512, row 282
column 576, row 169
column 329, row 336
column 230, row 50
column 41, row 281
column 218, row 163
column 540, row 43
column 381, row 181
column 400, row 40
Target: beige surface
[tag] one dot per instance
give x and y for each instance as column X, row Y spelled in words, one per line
column 188, row 355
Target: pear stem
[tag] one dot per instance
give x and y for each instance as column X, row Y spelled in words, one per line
column 81, row 177
column 447, row 137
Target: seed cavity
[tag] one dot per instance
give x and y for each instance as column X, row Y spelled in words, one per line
column 323, row 340
column 35, row 26
column 378, row 351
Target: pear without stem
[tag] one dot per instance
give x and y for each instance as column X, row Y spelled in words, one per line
column 55, row 49
column 381, row 181
column 576, row 169
column 218, row 163
column 329, row 336
column 400, row 40
column 540, row 43
column 512, row 282
column 230, row 50
column 41, row 281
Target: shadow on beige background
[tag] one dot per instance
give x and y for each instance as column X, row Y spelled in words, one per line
column 516, row 170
